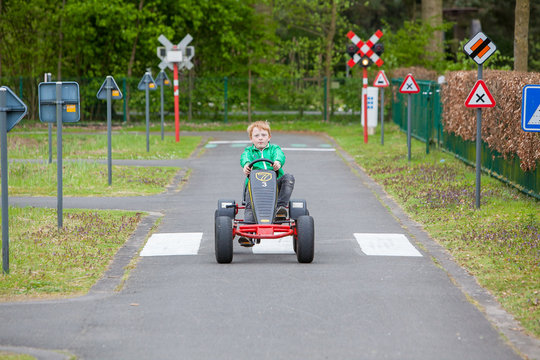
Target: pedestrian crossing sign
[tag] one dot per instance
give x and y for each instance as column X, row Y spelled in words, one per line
column 530, row 108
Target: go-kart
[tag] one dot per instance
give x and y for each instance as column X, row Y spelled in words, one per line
column 262, row 195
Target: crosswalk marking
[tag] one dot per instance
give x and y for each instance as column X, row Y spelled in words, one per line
column 386, row 245
column 283, row 245
column 166, row 244
column 293, row 147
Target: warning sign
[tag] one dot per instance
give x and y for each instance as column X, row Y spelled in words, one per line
column 409, row 86
column 480, row 96
column 381, row 80
column 480, row 48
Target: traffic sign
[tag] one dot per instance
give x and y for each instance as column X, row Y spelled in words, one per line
column 147, row 81
column 479, row 96
column 109, row 83
column 15, row 109
column 162, row 79
column 480, row 48
column 365, row 48
column 530, row 108
column 180, row 54
column 69, row 99
column 409, row 85
column 381, row 80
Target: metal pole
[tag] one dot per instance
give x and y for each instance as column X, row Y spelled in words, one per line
column 147, row 91
column 162, row 115
column 109, row 130
column 478, row 145
column 176, row 104
column 364, row 99
column 325, row 98
column 4, row 175
column 382, row 116
column 125, row 100
column 225, row 90
column 409, row 127
column 59, row 207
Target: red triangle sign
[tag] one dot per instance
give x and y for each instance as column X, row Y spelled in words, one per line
column 409, row 86
column 480, row 96
column 381, row 80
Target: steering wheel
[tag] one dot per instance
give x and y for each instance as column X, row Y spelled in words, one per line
column 259, row 160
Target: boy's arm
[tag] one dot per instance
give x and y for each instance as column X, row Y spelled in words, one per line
column 279, row 155
column 244, row 158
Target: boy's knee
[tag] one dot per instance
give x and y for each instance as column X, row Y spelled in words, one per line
column 289, row 178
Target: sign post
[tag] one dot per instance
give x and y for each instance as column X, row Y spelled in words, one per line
column 147, row 83
column 366, row 57
column 409, row 87
column 12, row 110
column 59, row 102
column 162, row 80
column 479, row 48
column 176, row 57
column 109, row 90
column 381, row 81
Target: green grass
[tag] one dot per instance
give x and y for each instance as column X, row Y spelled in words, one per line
column 125, row 145
column 15, row 356
column 87, row 179
column 46, row 261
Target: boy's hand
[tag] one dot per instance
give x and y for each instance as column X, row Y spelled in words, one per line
column 276, row 165
column 247, row 169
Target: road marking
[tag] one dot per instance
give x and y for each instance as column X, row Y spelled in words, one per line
column 283, row 245
column 308, row 149
column 386, row 245
column 167, row 244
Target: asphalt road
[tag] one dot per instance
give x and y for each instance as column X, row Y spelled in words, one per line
column 345, row 305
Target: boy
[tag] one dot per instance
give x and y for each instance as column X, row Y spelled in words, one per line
column 260, row 135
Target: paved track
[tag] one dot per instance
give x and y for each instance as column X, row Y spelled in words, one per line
column 345, row 305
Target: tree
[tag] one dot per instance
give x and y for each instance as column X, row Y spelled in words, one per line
column 432, row 14
column 521, row 35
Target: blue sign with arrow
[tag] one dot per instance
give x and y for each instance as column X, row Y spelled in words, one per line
column 530, row 108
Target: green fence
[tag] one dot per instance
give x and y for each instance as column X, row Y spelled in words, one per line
column 211, row 99
column 426, row 125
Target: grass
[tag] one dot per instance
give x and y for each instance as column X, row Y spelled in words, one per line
column 4, row 355
column 87, row 179
column 49, row 262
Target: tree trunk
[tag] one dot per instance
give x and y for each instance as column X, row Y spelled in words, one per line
column 328, row 56
column 132, row 60
column 60, row 44
column 432, row 11
column 521, row 35
column 249, row 92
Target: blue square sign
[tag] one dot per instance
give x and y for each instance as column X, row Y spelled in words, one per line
column 530, row 108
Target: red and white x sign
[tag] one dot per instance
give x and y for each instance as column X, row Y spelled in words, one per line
column 365, row 48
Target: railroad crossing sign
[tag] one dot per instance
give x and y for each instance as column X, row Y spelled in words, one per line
column 480, row 48
column 479, row 96
column 14, row 108
column 365, row 48
column 381, row 80
column 180, row 54
column 409, row 86
column 530, row 108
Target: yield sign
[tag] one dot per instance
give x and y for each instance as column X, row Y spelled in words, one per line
column 409, row 86
column 480, row 96
column 381, row 80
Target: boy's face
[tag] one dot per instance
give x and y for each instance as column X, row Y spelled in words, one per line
column 260, row 138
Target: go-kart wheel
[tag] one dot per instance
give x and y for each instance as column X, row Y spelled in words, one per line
column 305, row 239
column 223, row 238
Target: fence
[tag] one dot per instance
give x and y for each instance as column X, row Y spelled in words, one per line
column 212, row 99
column 426, row 125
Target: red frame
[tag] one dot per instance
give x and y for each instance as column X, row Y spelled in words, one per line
column 262, row 231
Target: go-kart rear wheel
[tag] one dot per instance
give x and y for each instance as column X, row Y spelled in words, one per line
column 223, row 238
column 305, row 239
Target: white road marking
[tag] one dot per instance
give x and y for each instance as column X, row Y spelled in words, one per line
column 308, row 149
column 283, row 245
column 386, row 245
column 167, row 244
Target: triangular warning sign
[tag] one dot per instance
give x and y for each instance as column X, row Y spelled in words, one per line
column 409, row 86
column 109, row 83
column 147, row 81
column 381, row 80
column 480, row 96
column 535, row 118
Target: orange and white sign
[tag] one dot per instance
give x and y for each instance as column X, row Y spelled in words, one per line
column 480, row 48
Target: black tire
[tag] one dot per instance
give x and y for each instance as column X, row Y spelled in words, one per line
column 305, row 240
column 223, row 238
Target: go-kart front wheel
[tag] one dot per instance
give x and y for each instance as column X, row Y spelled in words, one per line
column 223, row 237
column 305, row 239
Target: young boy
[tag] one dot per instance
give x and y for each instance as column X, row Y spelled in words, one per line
column 260, row 135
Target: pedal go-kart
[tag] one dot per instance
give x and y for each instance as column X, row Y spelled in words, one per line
column 263, row 190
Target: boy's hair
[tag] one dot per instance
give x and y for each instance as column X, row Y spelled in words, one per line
column 263, row 125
